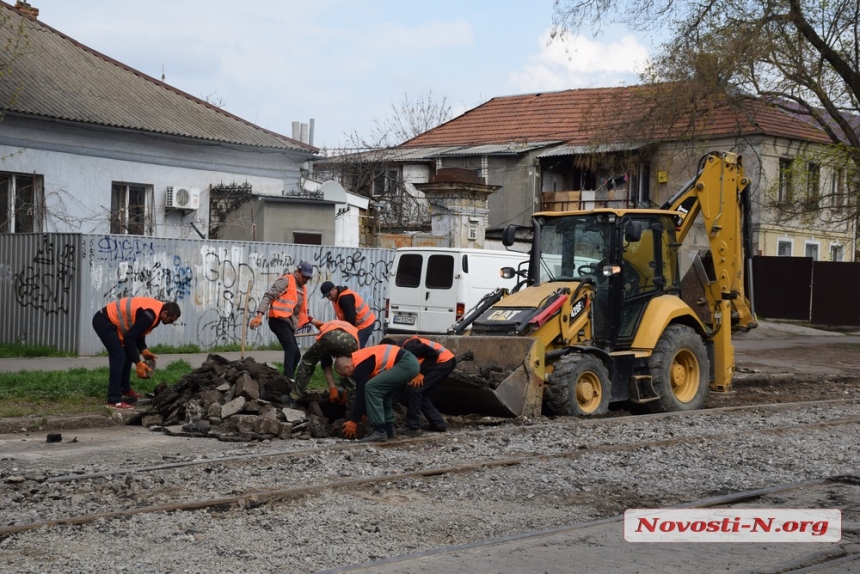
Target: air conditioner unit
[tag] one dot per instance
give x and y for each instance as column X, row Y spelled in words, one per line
column 183, row 197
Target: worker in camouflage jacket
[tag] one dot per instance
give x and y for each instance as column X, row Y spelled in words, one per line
column 336, row 339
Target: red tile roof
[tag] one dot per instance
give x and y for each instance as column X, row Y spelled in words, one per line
column 607, row 115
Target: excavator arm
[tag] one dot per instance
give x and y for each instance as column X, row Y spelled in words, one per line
column 719, row 193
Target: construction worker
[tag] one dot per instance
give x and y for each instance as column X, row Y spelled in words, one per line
column 287, row 304
column 122, row 327
column 436, row 363
column 335, row 339
column 349, row 306
column 382, row 371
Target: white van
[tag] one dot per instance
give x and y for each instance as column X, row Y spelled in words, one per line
column 431, row 288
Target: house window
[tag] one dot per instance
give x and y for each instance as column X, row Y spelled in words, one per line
column 785, row 183
column 783, row 248
column 837, row 190
column 813, row 181
column 811, row 250
column 836, row 252
column 307, row 238
column 386, row 182
column 21, row 203
column 131, row 209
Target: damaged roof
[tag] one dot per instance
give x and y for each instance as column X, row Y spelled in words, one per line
column 588, row 117
column 58, row 78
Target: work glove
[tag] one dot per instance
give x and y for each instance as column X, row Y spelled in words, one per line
column 418, row 381
column 148, row 355
column 349, row 429
column 333, row 395
column 256, row 322
column 344, row 398
column 143, row 370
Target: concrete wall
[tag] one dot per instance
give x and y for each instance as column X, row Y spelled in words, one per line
column 51, row 285
column 79, row 163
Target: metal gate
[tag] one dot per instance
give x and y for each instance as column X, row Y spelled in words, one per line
column 783, row 287
column 836, row 286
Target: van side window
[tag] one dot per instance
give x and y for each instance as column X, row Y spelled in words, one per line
column 409, row 271
column 440, row 272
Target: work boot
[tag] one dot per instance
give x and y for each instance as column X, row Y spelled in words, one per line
column 409, row 431
column 378, row 435
column 390, row 431
column 438, row 428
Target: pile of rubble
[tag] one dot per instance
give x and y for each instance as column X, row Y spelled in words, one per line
column 236, row 401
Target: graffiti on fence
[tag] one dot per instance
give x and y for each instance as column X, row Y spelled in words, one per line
column 113, row 248
column 45, row 283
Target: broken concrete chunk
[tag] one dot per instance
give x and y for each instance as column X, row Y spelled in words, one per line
column 293, row 415
column 232, row 407
column 246, row 387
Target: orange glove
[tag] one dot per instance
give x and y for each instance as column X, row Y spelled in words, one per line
column 418, row 381
column 349, row 429
column 333, row 395
column 148, row 355
column 344, row 398
column 143, row 370
column 256, row 322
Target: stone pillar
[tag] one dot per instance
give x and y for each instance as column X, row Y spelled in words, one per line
column 457, row 200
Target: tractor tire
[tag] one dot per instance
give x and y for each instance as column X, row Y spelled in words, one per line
column 578, row 386
column 679, row 371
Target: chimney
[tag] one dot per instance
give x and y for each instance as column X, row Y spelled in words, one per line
column 27, row 10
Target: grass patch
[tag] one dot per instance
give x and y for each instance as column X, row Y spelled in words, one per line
column 75, row 385
column 77, row 391
column 15, row 350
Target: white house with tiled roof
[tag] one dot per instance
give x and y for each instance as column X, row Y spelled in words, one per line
column 93, row 146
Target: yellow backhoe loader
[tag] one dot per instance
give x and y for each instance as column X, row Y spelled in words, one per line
column 601, row 314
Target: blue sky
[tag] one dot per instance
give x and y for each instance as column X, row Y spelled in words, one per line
column 345, row 63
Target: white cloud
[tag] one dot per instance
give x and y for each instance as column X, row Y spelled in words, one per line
column 579, row 62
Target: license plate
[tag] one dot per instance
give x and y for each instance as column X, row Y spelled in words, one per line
column 404, row 320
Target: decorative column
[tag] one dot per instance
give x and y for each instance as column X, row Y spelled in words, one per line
column 457, row 200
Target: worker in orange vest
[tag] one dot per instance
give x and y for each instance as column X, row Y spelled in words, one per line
column 436, row 364
column 380, row 374
column 287, row 304
column 122, row 327
column 336, row 339
column 349, row 306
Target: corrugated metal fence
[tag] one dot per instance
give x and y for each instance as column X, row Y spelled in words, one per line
column 51, row 285
column 798, row 288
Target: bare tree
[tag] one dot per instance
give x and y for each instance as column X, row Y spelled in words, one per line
column 799, row 55
column 371, row 169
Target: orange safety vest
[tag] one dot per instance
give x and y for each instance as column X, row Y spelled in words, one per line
column 342, row 325
column 123, row 311
column 386, row 356
column 284, row 306
column 364, row 317
column 444, row 354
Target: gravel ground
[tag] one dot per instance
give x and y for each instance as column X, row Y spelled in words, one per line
column 343, row 526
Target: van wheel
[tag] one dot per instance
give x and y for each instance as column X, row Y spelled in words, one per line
column 578, row 386
column 679, row 370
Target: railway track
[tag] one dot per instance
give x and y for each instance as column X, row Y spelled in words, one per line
column 283, row 477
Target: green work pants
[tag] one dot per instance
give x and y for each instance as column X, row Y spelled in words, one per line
column 381, row 391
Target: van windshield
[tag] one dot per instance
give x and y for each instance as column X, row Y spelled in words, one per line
column 573, row 246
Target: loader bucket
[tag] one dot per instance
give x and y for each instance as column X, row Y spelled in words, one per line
column 505, row 377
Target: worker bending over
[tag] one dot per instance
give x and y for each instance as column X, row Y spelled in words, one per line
column 335, row 339
column 122, row 327
column 382, row 371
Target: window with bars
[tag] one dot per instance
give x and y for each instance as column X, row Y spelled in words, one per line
column 131, row 209
column 21, row 203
